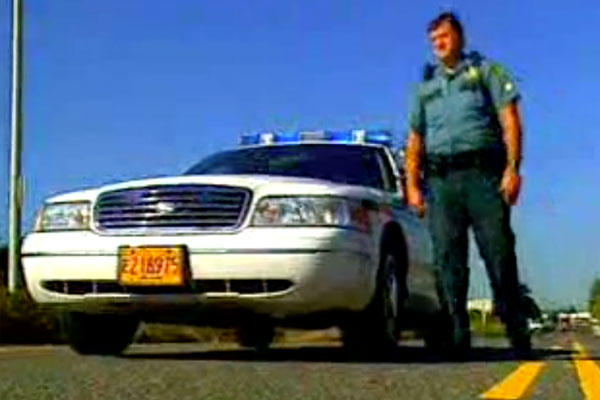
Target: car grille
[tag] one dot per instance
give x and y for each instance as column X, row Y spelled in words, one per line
column 171, row 208
column 218, row 286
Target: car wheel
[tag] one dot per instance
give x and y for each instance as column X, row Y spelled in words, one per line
column 258, row 336
column 378, row 327
column 98, row 334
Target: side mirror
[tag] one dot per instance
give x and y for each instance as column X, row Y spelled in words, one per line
column 400, row 157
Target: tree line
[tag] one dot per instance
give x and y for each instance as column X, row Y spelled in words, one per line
column 594, row 302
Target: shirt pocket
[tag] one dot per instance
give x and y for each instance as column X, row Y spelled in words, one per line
column 431, row 98
column 470, row 98
column 434, row 114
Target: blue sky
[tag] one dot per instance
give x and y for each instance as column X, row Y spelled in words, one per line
column 126, row 89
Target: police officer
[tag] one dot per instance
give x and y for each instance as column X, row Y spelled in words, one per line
column 464, row 151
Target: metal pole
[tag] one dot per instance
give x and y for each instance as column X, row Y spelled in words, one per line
column 16, row 198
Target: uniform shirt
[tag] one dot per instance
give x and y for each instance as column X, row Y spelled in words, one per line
column 457, row 111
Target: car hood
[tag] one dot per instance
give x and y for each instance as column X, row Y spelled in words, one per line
column 261, row 185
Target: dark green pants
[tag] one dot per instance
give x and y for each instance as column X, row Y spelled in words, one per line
column 463, row 199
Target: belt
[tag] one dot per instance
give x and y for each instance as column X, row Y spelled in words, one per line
column 489, row 160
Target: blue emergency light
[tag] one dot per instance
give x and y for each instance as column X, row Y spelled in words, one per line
column 381, row 137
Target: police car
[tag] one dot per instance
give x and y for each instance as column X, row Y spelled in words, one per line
column 304, row 229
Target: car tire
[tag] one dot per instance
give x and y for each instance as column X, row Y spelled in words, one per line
column 376, row 330
column 258, row 336
column 98, row 334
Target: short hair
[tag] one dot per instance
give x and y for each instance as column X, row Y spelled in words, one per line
column 450, row 18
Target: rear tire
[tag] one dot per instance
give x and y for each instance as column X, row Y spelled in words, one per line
column 258, row 336
column 98, row 334
column 376, row 330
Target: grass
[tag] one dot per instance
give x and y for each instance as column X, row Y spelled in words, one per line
column 22, row 321
column 492, row 327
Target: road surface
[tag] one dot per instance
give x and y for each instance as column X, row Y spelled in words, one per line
column 566, row 361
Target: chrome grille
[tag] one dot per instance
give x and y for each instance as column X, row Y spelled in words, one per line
column 171, row 208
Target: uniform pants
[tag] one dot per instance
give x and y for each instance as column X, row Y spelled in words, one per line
column 463, row 199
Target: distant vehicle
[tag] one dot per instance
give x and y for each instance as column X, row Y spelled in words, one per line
column 535, row 326
column 307, row 229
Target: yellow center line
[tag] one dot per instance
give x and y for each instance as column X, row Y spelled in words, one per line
column 517, row 385
column 588, row 373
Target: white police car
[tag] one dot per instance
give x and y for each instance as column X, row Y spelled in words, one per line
column 305, row 229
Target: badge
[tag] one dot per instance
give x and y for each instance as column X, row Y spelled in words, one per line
column 473, row 74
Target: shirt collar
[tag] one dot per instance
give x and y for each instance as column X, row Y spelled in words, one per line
column 440, row 69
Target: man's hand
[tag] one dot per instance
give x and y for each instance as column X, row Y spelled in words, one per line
column 510, row 187
column 414, row 197
column 511, row 180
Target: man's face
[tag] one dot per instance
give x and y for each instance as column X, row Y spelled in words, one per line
column 446, row 42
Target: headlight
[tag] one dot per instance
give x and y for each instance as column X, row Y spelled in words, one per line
column 64, row 217
column 310, row 211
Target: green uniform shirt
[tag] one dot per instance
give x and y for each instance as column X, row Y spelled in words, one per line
column 458, row 112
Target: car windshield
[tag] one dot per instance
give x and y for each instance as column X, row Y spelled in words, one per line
column 346, row 164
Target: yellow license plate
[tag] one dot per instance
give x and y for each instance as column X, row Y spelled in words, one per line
column 152, row 266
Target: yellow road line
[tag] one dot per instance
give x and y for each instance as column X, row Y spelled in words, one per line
column 588, row 373
column 517, row 385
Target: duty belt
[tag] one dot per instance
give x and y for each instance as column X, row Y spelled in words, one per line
column 440, row 165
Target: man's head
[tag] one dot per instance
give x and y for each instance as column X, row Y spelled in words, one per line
column 447, row 38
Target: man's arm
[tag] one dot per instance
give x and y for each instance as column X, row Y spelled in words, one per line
column 414, row 161
column 512, row 136
column 414, row 154
column 415, row 148
column 505, row 97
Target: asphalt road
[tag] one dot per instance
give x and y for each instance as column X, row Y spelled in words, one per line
column 302, row 371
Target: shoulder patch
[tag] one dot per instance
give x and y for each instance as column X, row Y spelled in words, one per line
column 473, row 74
column 499, row 71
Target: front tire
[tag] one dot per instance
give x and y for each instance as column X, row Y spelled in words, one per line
column 258, row 336
column 377, row 328
column 98, row 334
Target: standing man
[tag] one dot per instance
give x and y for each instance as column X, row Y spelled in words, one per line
column 465, row 140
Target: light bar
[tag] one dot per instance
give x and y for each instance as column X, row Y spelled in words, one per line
column 381, row 137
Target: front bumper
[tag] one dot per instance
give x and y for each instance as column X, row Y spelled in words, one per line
column 328, row 270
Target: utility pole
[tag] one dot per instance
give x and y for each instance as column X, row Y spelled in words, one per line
column 16, row 184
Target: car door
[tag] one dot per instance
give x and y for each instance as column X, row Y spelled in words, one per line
column 420, row 277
